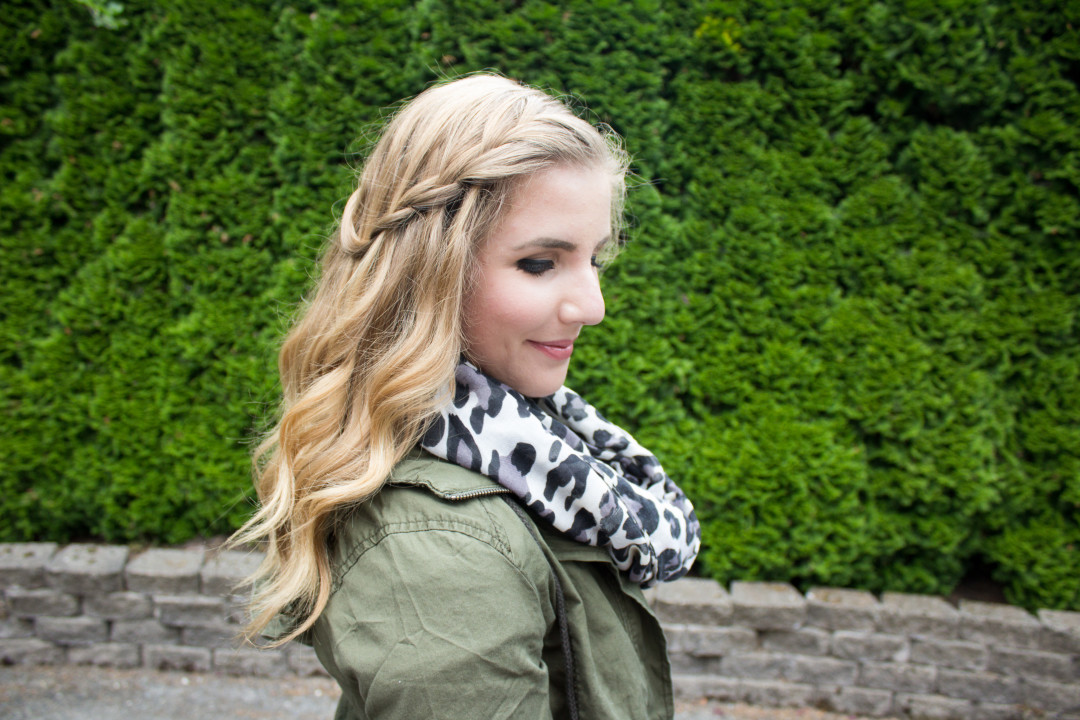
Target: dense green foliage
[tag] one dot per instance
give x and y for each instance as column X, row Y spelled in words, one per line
column 846, row 319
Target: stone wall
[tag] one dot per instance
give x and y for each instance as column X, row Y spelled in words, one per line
column 766, row 644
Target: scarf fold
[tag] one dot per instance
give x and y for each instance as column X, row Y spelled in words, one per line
column 574, row 470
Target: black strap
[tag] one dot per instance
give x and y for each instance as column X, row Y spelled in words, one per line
column 560, row 612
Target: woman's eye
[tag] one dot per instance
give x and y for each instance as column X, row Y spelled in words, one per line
column 535, row 267
column 597, row 262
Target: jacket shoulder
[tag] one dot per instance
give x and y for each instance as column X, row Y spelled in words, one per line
column 426, row 495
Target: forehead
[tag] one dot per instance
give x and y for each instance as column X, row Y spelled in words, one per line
column 566, row 201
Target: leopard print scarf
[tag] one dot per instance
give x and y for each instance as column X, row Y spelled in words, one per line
column 577, row 472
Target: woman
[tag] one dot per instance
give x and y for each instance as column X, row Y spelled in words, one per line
column 456, row 533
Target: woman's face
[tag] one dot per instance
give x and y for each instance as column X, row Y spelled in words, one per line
column 536, row 281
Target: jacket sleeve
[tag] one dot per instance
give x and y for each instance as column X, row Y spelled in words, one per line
column 441, row 623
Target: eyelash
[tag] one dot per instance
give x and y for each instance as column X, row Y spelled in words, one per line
column 539, row 267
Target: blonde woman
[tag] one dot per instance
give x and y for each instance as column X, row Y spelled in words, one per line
column 456, row 533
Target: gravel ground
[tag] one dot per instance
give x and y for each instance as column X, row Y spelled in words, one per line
column 89, row 693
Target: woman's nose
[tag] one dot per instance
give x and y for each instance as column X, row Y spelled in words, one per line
column 583, row 302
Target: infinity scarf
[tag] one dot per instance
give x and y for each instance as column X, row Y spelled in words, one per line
column 582, row 475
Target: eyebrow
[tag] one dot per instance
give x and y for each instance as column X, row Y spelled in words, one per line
column 556, row 244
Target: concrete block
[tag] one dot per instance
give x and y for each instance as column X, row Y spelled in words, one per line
column 30, row 651
column 995, row 711
column 695, row 687
column 934, row 707
column 71, row 630
column 211, row 636
column 186, row 610
column 177, row 657
column 899, row 677
column 949, row 653
column 1061, row 631
column 754, row 665
column 856, row 701
column 681, row 638
column 303, row 661
column 718, row 641
column 839, row 609
column 143, row 631
column 776, row 693
column 263, row 663
column 225, row 573
column 855, row 645
column 87, row 569
column 166, row 572
column 118, row 655
column 807, row 641
column 822, row 671
column 999, row 624
column 767, row 606
column 13, row 627
column 694, row 601
column 1029, row 664
column 1052, row 696
column 41, row 601
column 904, row 614
column 684, row 664
column 118, row 606
column 23, row 564
column 982, row 686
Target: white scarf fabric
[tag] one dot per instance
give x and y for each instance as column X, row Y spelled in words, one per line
column 574, row 470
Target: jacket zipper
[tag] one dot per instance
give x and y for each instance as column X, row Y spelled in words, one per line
column 470, row 494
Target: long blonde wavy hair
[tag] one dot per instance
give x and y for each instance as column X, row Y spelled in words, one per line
column 371, row 358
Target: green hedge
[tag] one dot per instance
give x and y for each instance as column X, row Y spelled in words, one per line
column 846, row 320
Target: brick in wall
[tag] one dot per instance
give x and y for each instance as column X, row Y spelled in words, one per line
column 933, row 707
column 23, row 564
column 244, row 661
column 165, row 572
column 1061, row 631
column 997, row 624
column 29, row 651
column 87, row 569
column 1052, row 696
column 117, row 655
column 71, row 630
column 904, row 614
column 224, row 572
column 692, row 687
column 776, row 693
column 870, row 646
column 143, row 631
column 822, row 671
column 767, row 606
column 1033, row 664
column 118, row 606
column 899, row 677
column 41, row 601
column 176, row 657
column 187, row 610
column 983, row 686
column 839, row 609
column 856, row 701
column 958, row 654
column 807, row 641
column 698, row 602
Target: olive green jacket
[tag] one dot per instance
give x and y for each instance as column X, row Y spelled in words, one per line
column 443, row 606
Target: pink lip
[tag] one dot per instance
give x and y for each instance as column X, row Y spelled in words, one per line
column 556, row 349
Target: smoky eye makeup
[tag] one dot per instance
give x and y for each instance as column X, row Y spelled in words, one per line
column 535, row 266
